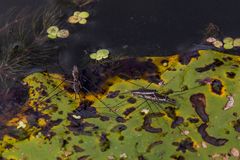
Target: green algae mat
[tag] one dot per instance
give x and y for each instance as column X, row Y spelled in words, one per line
column 157, row 109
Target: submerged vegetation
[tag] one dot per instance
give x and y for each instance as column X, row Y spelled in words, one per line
column 24, row 45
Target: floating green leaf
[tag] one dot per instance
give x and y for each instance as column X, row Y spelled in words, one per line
column 236, row 42
column 83, row 14
column 78, row 17
column 54, row 32
column 117, row 124
column 100, row 54
column 228, row 46
column 228, row 40
column 51, row 36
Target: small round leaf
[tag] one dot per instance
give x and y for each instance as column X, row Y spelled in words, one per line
column 53, row 30
column 63, row 33
column 228, row 46
column 236, row 42
column 73, row 19
column 52, row 36
column 93, row 55
column 103, row 51
column 218, row 44
column 83, row 14
column 228, row 40
column 76, row 13
column 82, row 21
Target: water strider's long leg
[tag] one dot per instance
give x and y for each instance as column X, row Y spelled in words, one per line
column 152, row 110
column 54, row 89
column 101, row 101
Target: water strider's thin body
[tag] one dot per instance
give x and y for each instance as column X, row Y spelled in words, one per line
column 152, row 95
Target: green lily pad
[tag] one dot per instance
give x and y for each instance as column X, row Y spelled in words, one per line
column 118, row 124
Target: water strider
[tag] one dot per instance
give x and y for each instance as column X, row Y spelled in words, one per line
column 77, row 87
column 152, row 95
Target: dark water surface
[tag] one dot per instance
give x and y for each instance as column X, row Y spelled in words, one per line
column 140, row 27
column 158, row 26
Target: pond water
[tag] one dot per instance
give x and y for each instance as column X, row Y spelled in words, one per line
column 138, row 27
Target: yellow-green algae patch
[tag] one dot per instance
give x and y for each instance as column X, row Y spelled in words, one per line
column 69, row 130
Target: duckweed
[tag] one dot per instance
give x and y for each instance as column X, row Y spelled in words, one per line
column 100, row 54
column 228, row 40
column 228, row 46
column 218, row 44
column 54, row 32
column 236, row 42
column 78, row 17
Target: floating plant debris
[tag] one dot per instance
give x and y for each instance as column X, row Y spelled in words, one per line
column 230, row 102
column 21, row 124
